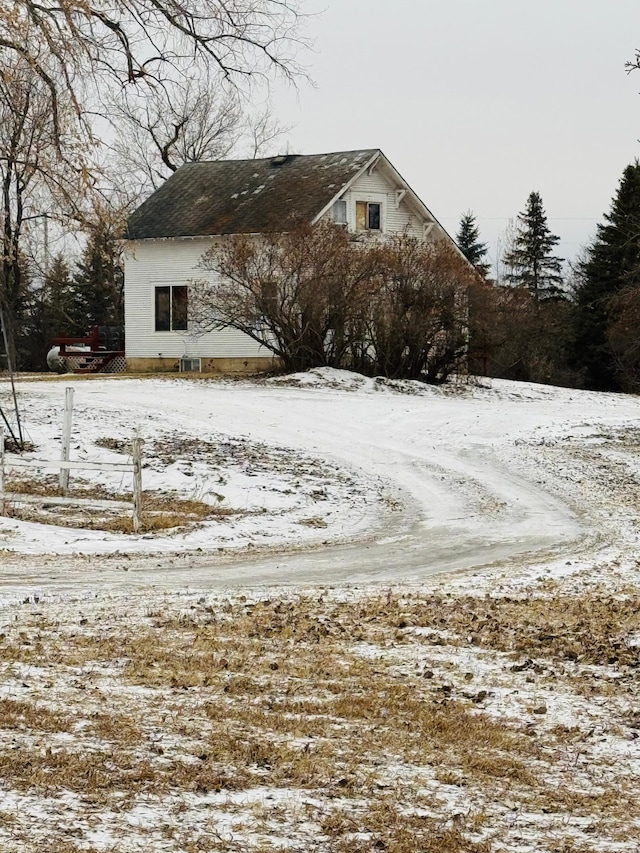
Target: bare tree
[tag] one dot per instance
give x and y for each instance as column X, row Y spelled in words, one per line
column 633, row 64
column 82, row 48
column 190, row 121
column 62, row 61
column 262, row 131
column 506, row 242
column 33, row 177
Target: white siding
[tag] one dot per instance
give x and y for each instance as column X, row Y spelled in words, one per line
column 149, row 263
column 395, row 220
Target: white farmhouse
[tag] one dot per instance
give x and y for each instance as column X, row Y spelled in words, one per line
column 168, row 235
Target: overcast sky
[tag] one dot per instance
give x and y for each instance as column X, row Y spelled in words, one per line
column 479, row 102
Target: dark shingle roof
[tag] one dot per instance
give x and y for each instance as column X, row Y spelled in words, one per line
column 244, row 196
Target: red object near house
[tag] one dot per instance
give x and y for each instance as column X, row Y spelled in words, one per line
column 101, row 351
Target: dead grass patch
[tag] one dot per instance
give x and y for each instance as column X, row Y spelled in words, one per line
column 592, row 628
column 387, row 826
column 28, row 716
column 161, row 511
column 314, row 521
column 125, row 731
column 327, row 697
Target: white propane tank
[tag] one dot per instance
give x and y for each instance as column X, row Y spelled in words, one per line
column 55, row 362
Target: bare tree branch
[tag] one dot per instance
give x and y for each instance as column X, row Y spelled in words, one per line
column 184, row 123
column 87, row 46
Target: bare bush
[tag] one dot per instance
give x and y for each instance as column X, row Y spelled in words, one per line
column 418, row 309
column 622, row 337
column 515, row 336
column 316, row 296
column 300, row 294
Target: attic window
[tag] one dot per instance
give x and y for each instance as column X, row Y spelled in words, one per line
column 339, row 212
column 368, row 216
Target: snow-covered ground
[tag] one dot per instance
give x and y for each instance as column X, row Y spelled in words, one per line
column 475, row 543
column 423, row 479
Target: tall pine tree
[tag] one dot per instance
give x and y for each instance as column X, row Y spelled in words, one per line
column 530, row 262
column 612, row 267
column 48, row 313
column 58, row 301
column 98, row 282
column 468, row 239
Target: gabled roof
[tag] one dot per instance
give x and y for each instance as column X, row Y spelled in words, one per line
column 246, row 196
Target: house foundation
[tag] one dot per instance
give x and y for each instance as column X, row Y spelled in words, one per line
column 219, row 366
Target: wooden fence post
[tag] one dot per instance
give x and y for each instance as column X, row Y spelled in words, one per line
column 66, row 439
column 137, row 483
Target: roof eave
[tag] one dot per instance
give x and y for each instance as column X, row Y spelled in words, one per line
column 417, row 201
column 343, row 189
column 422, row 206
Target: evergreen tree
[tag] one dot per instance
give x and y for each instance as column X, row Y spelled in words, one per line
column 530, row 262
column 58, row 301
column 19, row 315
column 47, row 312
column 612, row 267
column 98, row 282
column 468, row 240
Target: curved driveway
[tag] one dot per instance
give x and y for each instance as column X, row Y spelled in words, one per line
column 458, row 498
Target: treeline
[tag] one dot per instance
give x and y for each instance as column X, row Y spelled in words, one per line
column 320, row 296
column 67, row 299
column 582, row 331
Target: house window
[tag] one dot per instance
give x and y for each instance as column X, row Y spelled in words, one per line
column 171, row 308
column 368, row 216
column 339, row 212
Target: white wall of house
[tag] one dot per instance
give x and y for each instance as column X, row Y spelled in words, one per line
column 154, row 263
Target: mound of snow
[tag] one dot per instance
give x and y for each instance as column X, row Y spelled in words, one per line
column 346, row 380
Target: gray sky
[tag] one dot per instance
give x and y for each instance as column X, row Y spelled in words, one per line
column 479, row 102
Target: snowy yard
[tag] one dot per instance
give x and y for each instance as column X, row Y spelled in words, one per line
column 389, row 617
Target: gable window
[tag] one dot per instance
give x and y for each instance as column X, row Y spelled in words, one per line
column 339, row 212
column 171, row 308
column 368, row 216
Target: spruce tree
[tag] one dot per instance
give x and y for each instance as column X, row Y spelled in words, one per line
column 612, row 266
column 47, row 313
column 468, row 239
column 18, row 318
column 99, row 281
column 58, row 302
column 530, row 263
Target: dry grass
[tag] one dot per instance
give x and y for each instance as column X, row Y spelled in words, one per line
column 313, row 521
column 385, row 826
column 161, row 511
column 372, row 708
column 26, row 716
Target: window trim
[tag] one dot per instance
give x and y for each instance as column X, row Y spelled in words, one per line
column 178, row 320
column 368, row 203
column 342, row 202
